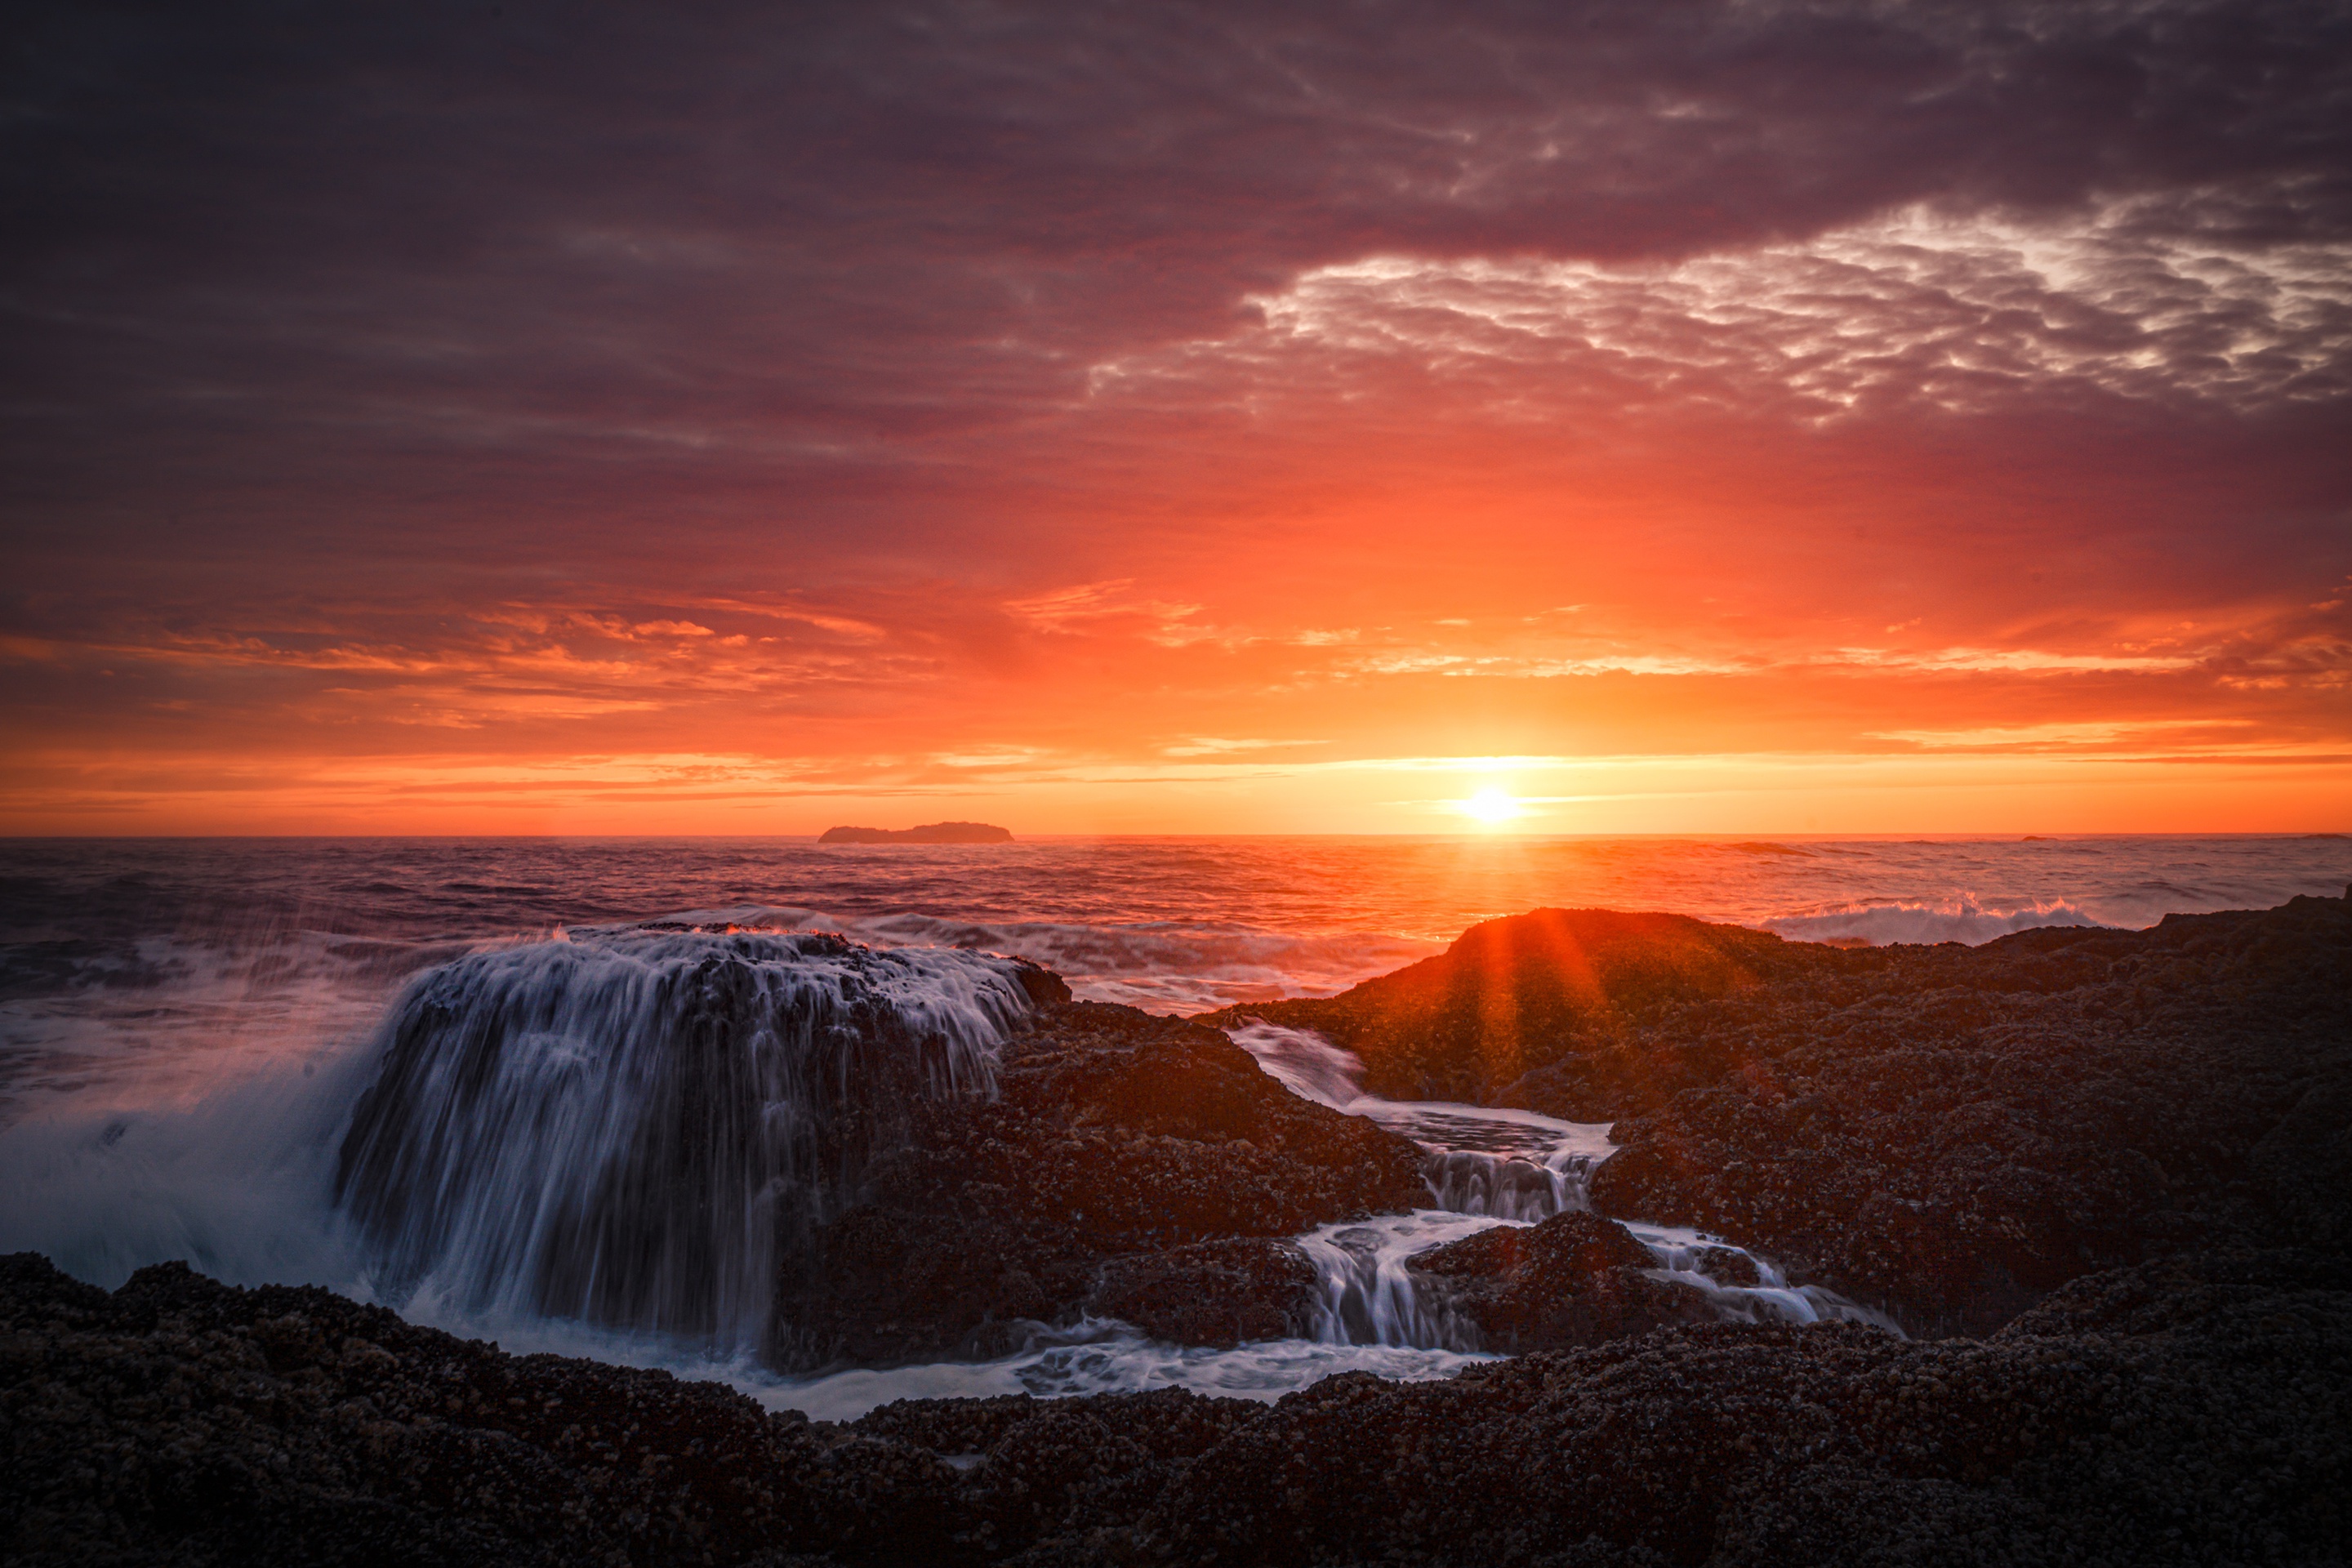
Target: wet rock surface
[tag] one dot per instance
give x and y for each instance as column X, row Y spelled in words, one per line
column 1574, row 1279
column 1119, row 1144
column 2195, row 1411
column 1219, row 1293
column 1946, row 1131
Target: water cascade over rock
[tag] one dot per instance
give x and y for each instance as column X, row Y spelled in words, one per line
column 1554, row 1275
column 631, row 1127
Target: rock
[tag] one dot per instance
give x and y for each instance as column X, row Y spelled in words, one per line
column 179, row 1420
column 1948, row 1132
column 2198, row 1410
column 1575, row 1279
column 1217, row 1293
column 1526, row 992
column 931, row 833
column 1114, row 1135
column 1726, row 1266
column 892, row 1286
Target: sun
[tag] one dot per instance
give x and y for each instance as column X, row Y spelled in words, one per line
column 1491, row 805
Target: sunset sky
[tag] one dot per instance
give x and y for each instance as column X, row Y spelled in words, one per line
column 1746, row 417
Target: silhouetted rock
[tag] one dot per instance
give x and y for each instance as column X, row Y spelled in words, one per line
column 1211, row 1292
column 1950, row 1132
column 2194, row 1411
column 1531, row 992
column 929, row 833
column 1574, row 1279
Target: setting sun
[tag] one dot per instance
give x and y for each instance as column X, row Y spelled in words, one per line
column 1491, row 806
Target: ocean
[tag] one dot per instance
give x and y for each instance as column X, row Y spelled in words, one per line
column 186, row 1024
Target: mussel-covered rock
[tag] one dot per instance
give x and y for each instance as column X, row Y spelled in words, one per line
column 1210, row 1293
column 1950, row 1132
column 1119, row 1170
column 1575, row 1279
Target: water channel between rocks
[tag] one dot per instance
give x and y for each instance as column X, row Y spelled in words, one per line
column 1486, row 1168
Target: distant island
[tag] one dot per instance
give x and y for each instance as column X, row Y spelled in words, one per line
column 933, row 832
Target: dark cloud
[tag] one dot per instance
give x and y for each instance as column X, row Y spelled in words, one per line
column 802, row 231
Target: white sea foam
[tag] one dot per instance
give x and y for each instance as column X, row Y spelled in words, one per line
column 1158, row 965
column 233, row 1179
column 1961, row 919
column 1099, row 1357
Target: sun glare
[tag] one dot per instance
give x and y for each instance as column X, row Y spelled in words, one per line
column 1490, row 807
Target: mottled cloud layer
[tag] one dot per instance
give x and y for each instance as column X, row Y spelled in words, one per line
column 468, row 416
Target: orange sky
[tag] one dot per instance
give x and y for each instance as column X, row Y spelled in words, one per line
column 1213, row 421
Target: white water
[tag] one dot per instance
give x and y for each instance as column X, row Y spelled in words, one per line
column 625, row 1128
column 1962, row 919
column 1486, row 1166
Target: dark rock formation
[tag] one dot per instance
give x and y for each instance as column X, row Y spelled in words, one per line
column 1575, row 1279
column 1950, row 1132
column 929, row 833
column 2198, row 1411
column 1532, row 991
column 1211, row 1292
column 1114, row 1136
column 1726, row 1266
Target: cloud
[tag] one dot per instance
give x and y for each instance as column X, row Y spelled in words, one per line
column 939, row 380
column 1956, row 313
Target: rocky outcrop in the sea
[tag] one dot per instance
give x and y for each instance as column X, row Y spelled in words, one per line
column 1128, row 1165
column 2198, row 1411
column 1950, row 1132
column 1574, row 1279
column 929, row 833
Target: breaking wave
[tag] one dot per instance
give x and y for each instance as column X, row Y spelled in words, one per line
column 1158, row 965
column 1962, row 920
column 637, row 1129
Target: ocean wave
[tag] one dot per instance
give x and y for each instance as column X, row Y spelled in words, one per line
column 1158, row 965
column 1962, row 920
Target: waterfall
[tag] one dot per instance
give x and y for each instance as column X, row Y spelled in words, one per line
column 1485, row 1165
column 636, row 1128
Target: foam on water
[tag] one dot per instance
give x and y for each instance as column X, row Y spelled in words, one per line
column 1683, row 1255
column 1158, row 965
column 234, row 1178
column 1099, row 1357
column 1490, row 1161
column 1961, row 919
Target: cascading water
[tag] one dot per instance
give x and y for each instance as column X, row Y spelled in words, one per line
column 633, row 1127
column 1487, row 1166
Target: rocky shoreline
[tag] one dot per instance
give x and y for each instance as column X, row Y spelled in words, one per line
column 2197, row 1410
column 2119, row 1161
column 1948, row 1132
column 1129, row 1166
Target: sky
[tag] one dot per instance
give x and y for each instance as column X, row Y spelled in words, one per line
column 1653, row 417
